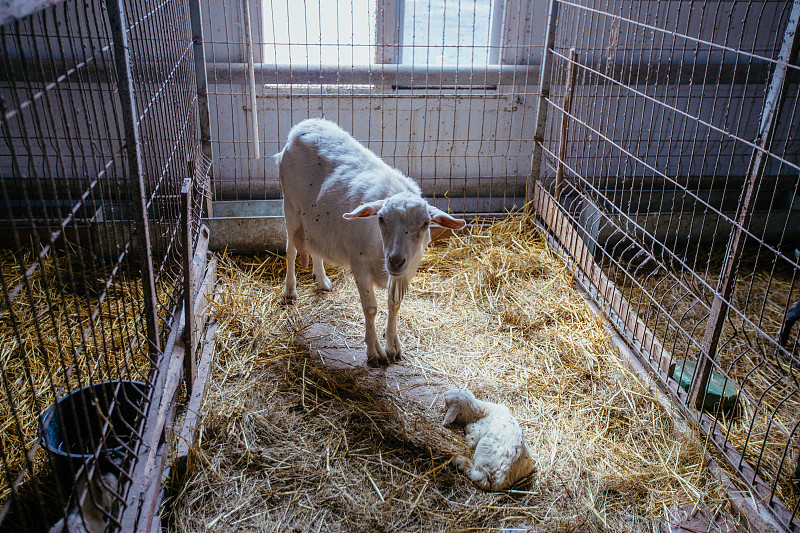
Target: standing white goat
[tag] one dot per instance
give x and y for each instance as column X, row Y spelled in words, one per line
column 344, row 205
column 501, row 456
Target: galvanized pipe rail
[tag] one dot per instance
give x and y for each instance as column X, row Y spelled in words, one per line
column 133, row 142
column 727, row 280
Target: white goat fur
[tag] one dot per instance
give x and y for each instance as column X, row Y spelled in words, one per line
column 502, row 456
column 344, row 205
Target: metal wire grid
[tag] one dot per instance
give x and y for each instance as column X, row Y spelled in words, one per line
column 166, row 97
column 463, row 130
column 74, row 307
column 655, row 122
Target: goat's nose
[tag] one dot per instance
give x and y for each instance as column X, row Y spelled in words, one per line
column 396, row 260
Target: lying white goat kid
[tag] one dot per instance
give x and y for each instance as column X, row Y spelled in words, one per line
column 345, row 206
column 502, row 456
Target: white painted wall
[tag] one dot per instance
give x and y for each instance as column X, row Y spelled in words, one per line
column 459, row 142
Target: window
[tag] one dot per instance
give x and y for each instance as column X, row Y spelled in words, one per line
column 449, row 32
column 363, row 32
column 319, row 32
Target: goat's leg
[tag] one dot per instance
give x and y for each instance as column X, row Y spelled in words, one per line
column 290, row 282
column 393, row 348
column 318, row 273
column 295, row 245
column 376, row 356
column 476, row 474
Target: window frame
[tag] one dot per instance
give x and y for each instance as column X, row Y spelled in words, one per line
column 389, row 31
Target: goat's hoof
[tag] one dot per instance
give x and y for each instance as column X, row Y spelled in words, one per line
column 325, row 285
column 393, row 350
column 377, row 359
column 288, row 297
column 462, row 463
column 377, row 362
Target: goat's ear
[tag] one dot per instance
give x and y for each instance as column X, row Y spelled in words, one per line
column 440, row 218
column 370, row 209
column 451, row 415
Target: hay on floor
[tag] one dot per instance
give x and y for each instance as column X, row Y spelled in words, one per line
column 287, row 444
column 59, row 335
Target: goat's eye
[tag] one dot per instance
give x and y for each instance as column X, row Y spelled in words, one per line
column 380, row 219
column 426, row 224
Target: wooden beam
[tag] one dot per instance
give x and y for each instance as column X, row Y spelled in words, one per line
column 189, row 336
column 166, row 458
column 162, row 400
column 205, row 293
column 187, row 436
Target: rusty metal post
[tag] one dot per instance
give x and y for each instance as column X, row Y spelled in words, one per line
column 251, row 77
column 122, row 61
column 201, row 78
column 727, row 281
column 562, row 146
column 189, row 334
column 543, row 106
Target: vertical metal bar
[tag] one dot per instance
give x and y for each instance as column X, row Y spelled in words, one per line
column 251, row 78
column 386, row 31
column 562, row 146
column 189, row 336
column 769, row 118
column 130, row 120
column 201, row 78
column 544, row 105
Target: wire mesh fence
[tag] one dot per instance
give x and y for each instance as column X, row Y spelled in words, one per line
column 670, row 174
column 660, row 135
column 99, row 125
column 443, row 90
column 661, row 141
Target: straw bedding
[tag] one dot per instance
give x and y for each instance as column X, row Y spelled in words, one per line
column 288, row 444
column 34, row 363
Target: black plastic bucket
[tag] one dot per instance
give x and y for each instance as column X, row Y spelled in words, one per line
column 73, row 428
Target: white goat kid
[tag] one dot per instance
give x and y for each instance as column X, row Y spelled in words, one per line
column 344, row 205
column 502, row 456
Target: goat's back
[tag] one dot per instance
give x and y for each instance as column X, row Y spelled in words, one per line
column 324, row 173
column 502, row 451
column 321, row 155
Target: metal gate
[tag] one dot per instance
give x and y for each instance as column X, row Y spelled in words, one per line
column 667, row 168
column 102, row 173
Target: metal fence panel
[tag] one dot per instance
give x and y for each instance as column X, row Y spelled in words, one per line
column 670, row 174
column 99, row 126
column 443, row 90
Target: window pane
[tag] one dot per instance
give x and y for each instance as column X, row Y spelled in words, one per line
column 446, row 32
column 294, row 35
